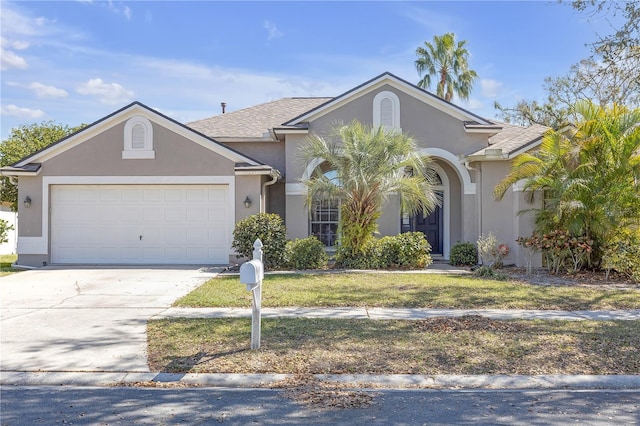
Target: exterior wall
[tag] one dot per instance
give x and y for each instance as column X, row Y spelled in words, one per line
column 271, row 153
column 501, row 217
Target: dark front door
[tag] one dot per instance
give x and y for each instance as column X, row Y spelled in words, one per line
column 431, row 227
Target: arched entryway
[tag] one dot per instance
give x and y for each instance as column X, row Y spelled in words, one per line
column 434, row 226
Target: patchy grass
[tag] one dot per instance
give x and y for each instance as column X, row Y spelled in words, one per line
column 467, row 345
column 6, row 260
column 406, row 291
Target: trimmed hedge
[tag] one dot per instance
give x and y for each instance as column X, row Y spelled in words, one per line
column 306, row 253
column 463, row 254
column 410, row 250
column 270, row 228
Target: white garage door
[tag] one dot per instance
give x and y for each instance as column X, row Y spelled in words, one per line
column 140, row 224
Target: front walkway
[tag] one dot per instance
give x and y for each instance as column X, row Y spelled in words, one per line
column 406, row 314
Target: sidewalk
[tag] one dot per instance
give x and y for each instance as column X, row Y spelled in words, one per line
column 406, row 314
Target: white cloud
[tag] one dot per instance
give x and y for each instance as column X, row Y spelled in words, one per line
column 272, row 30
column 47, row 92
column 16, row 44
column 127, row 12
column 472, row 104
column 108, row 93
column 42, row 91
column 17, row 111
column 490, row 88
column 9, row 59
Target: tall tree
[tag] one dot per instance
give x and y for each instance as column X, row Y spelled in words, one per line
column 625, row 36
column 447, row 61
column 24, row 140
column 591, row 79
column 370, row 165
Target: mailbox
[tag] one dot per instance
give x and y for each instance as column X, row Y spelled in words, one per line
column 251, row 273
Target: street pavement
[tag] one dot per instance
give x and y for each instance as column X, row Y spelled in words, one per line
column 231, row 406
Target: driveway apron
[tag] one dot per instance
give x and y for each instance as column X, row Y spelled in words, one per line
column 85, row 319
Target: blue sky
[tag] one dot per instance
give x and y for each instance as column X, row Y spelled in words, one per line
column 77, row 61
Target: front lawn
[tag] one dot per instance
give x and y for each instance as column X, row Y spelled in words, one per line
column 406, row 291
column 6, row 260
column 467, row 345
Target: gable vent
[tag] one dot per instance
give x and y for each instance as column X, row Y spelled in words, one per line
column 138, row 137
column 386, row 112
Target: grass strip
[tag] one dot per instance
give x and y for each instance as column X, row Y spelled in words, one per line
column 406, row 291
column 466, row 345
column 6, row 260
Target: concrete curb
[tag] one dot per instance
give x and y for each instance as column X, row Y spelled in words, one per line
column 393, row 381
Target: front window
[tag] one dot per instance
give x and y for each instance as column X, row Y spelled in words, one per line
column 325, row 215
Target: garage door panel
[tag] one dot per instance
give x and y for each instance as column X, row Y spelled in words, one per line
column 103, row 224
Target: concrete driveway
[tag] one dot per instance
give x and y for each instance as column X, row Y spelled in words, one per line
column 85, row 319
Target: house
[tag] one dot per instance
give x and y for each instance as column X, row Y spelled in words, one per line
column 137, row 187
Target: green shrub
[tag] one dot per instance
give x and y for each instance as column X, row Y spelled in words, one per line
column 463, row 254
column 5, row 227
column 306, row 253
column 270, row 228
column 622, row 254
column 410, row 250
column 349, row 259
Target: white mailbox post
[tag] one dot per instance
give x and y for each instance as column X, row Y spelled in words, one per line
column 252, row 274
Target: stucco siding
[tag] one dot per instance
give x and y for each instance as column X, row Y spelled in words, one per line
column 102, row 156
column 270, row 153
column 498, row 216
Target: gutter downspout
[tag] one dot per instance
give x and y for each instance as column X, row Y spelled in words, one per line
column 478, row 196
column 275, row 175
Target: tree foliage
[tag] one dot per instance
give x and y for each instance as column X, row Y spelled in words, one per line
column 25, row 140
column 370, row 165
column 611, row 75
column 447, row 61
column 624, row 36
column 590, row 178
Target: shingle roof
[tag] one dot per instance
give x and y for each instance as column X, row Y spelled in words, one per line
column 255, row 121
column 512, row 137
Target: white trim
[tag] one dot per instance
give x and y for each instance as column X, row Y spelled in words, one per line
column 313, row 164
column 469, row 188
column 40, row 245
column 391, row 80
column 446, row 203
column 138, row 155
column 125, row 114
column 129, row 152
column 377, row 104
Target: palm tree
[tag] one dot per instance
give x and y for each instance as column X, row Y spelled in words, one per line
column 447, row 61
column 590, row 178
column 369, row 166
